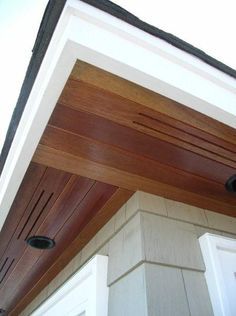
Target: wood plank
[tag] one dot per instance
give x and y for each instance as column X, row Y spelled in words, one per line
column 72, row 195
column 33, row 264
column 84, row 97
column 102, row 79
column 134, row 164
column 108, row 132
column 47, row 192
column 107, row 211
column 205, row 143
column 29, row 185
column 84, row 167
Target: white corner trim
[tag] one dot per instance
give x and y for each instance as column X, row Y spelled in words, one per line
column 86, row 33
column 85, row 293
column 219, row 254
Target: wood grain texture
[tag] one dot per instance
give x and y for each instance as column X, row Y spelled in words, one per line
column 114, row 123
column 29, row 218
column 104, row 80
column 27, row 188
column 134, row 164
column 48, row 156
column 116, row 135
column 81, row 96
column 56, row 204
column 91, row 203
column 107, row 138
column 119, row 197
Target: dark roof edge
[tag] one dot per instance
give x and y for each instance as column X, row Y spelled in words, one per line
column 122, row 14
column 46, row 29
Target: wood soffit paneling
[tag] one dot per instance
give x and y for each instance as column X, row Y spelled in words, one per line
column 68, row 208
column 114, row 131
column 107, row 138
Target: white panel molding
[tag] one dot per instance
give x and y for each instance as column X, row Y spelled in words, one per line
column 85, row 293
column 219, row 254
column 89, row 34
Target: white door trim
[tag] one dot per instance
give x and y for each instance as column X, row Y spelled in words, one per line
column 85, row 293
column 212, row 247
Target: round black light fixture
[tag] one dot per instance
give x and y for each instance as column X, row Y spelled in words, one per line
column 230, row 184
column 41, row 242
column 2, row 311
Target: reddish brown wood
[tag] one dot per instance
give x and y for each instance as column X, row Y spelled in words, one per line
column 101, row 217
column 59, row 205
column 160, row 123
column 37, row 206
column 81, row 166
column 90, row 75
column 33, row 264
column 138, row 141
column 25, row 192
column 116, row 135
column 172, row 144
column 48, row 191
column 84, row 96
column 134, row 164
column 70, row 198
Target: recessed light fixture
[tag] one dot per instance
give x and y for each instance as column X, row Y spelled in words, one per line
column 230, row 184
column 41, row 242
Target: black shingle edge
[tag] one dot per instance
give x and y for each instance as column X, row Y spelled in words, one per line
column 122, row 14
column 46, row 29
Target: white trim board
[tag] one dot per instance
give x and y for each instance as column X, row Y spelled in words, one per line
column 91, row 35
column 85, row 293
column 219, row 254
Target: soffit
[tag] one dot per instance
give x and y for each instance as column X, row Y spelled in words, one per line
column 67, row 208
column 114, row 131
column 107, row 138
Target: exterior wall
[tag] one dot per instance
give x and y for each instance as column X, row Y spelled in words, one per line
column 155, row 263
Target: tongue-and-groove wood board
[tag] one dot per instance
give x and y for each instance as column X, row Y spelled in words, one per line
column 107, row 138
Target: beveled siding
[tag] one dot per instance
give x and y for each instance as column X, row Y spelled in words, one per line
column 148, row 237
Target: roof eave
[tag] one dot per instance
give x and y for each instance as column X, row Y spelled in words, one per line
column 167, row 70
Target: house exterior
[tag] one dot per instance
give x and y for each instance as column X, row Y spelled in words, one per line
column 122, row 145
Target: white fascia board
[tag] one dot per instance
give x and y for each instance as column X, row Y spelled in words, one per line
column 86, row 33
column 155, row 64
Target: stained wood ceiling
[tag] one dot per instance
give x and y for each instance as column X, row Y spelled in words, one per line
column 114, row 131
column 107, row 138
column 69, row 209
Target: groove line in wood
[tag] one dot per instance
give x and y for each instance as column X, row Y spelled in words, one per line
column 30, row 214
column 9, row 267
column 188, row 142
column 40, row 213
